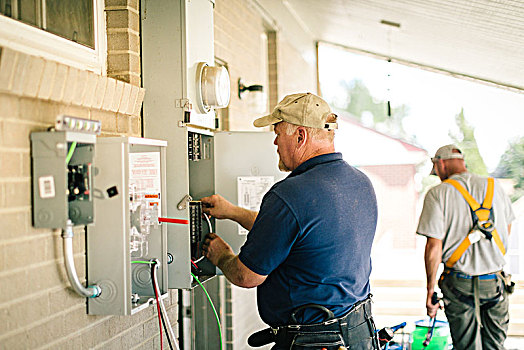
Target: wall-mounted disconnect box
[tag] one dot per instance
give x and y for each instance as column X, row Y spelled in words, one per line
column 130, row 196
column 62, row 164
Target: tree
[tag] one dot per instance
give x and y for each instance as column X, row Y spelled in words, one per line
column 468, row 144
column 511, row 166
column 359, row 102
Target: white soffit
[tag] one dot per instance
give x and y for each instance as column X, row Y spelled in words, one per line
column 479, row 39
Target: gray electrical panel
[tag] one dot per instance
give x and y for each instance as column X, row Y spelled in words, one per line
column 246, row 166
column 130, row 197
column 62, row 178
column 177, row 37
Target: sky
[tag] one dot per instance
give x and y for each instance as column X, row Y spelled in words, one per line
column 434, row 100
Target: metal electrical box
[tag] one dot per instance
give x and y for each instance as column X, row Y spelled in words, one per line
column 246, row 166
column 177, row 37
column 130, row 196
column 62, row 178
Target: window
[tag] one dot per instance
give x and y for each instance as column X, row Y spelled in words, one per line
column 62, row 30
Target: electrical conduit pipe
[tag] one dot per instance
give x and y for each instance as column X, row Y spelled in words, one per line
column 67, row 237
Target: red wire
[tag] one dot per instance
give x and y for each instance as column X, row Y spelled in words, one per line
column 195, row 265
column 173, row 221
column 159, row 319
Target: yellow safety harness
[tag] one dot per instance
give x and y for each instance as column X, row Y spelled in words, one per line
column 482, row 222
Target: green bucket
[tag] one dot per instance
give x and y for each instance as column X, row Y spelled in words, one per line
column 439, row 341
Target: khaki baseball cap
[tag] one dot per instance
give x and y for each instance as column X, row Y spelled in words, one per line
column 446, row 152
column 305, row 109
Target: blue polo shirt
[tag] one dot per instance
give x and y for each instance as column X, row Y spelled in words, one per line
column 312, row 238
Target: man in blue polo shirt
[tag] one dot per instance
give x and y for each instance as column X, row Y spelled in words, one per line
column 308, row 249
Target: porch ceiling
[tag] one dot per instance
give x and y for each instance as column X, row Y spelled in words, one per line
column 481, row 39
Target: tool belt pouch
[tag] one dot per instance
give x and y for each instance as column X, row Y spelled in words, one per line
column 317, row 340
column 509, row 285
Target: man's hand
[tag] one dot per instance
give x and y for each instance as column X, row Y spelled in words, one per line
column 218, row 207
column 216, row 250
column 430, row 307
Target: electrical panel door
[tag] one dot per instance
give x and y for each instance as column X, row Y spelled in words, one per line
column 62, row 178
column 130, row 196
column 246, row 166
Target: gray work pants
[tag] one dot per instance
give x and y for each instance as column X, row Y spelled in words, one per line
column 460, row 312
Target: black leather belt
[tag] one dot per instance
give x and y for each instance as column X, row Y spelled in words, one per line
column 334, row 328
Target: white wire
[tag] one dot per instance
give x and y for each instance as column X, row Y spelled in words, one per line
column 163, row 310
column 208, row 223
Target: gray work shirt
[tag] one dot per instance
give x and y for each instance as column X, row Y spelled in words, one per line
column 446, row 216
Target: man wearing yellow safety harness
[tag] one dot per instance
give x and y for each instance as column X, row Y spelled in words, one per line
column 467, row 220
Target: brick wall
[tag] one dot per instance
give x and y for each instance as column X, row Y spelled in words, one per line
column 38, row 309
column 123, row 40
column 258, row 55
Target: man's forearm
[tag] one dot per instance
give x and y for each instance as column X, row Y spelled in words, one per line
column 236, row 272
column 245, row 217
column 432, row 259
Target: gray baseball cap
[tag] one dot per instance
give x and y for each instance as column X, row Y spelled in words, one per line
column 446, row 152
column 305, row 109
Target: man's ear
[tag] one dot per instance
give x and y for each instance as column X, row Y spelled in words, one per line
column 301, row 136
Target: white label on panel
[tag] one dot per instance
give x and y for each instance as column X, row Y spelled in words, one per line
column 46, row 186
column 144, row 175
column 251, row 190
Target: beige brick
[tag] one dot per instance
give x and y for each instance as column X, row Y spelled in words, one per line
column 123, row 124
column 117, row 97
column 131, row 3
column 108, row 119
column 10, row 164
column 122, row 19
column 136, row 126
column 89, row 94
column 122, row 62
column 2, row 268
column 100, row 90
column 125, row 77
column 133, row 95
column 17, row 194
column 47, row 276
column 8, row 106
column 13, row 225
column 80, row 87
column 59, row 82
column 109, row 94
column 8, row 63
column 30, row 109
column 27, row 311
column 119, row 41
column 70, row 85
column 25, row 162
column 17, row 134
column 62, row 299
column 47, row 81
column 126, row 96
column 75, row 111
column 25, row 253
column 104, row 330
column 139, row 101
column 133, row 337
column 135, row 79
column 13, row 285
column 33, row 78
column 49, row 112
column 20, row 73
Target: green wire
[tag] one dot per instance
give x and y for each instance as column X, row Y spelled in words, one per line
column 71, row 151
column 214, row 310
column 205, row 291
